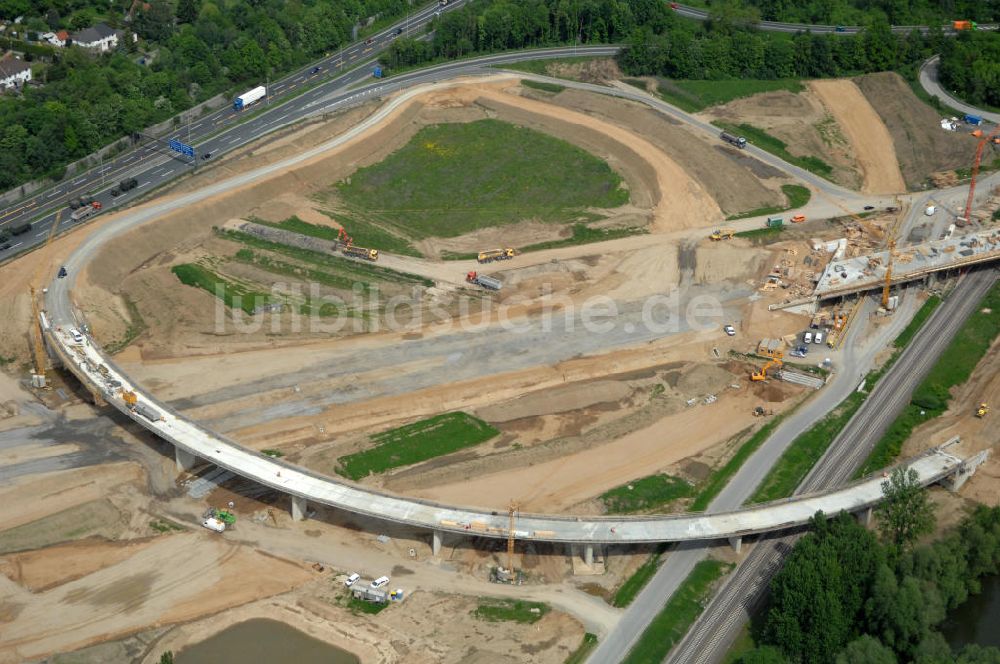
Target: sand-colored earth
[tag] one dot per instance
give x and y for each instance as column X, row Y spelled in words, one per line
column 174, row 579
column 556, row 485
column 869, row 137
column 42, row 569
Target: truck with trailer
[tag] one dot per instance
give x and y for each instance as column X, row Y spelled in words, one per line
column 360, row 252
column 249, row 98
column 489, row 283
column 774, row 222
column 738, row 141
column 496, row 255
column 964, row 25
column 86, row 211
column 125, row 185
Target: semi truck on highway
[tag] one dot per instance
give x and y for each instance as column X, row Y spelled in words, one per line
column 738, row 141
column 361, row 252
column 496, row 255
column 127, row 184
column 249, row 98
column 489, row 283
column 86, row 211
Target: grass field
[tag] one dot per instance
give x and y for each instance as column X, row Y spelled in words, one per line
column 584, row 234
column 922, row 315
column 631, row 586
column 364, row 234
column 796, row 194
column 719, row 478
column 777, row 147
column 137, row 325
column 416, row 442
column 451, row 179
column 579, row 656
column 648, row 493
column 933, row 395
column 761, row 236
column 693, row 96
column 542, row 85
column 510, row 610
column 236, row 296
column 683, row 608
column 540, row 67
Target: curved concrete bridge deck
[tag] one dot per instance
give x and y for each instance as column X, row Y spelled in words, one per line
column 192, row 441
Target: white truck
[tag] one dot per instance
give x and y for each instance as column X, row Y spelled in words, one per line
column 489, row 283
column 85, row 211
column 249, row 98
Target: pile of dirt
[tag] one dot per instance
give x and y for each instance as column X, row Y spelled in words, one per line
column 803, row 123
column 595, row 70
column 921, row 146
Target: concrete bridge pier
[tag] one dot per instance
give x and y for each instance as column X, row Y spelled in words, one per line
column 185, row 460
column 588, row 554
column 865, row 516
column 437, row 537
column 736, row 543
column 966, row 470
column 299, row 506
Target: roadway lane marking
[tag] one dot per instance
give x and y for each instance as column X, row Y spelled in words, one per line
column 233, row 139
column 168, row 172
column 15, row 246
column 41, row 234
column 144, row 184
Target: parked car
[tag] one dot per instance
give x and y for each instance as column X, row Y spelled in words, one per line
column 379, row 582
column 352, row 579
column 730, row 330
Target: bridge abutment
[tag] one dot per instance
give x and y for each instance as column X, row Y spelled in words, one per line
column 299, row 507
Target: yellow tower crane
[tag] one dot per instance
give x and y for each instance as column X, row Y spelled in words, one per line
column 37, row 341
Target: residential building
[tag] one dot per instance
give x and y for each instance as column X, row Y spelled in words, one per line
column 14, row 73
column 101, row 38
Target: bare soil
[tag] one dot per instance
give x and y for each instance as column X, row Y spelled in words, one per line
column 921, row 146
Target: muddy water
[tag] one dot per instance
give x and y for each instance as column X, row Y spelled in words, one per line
column 976, row 621
column 264, row 641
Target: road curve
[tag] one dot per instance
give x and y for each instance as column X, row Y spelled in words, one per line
column 930, row 83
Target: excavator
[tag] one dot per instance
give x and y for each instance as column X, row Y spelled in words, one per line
column 983, row 410
column 757, row 376
column 722, row 234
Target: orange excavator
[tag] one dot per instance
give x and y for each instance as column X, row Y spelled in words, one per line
column 757, row 376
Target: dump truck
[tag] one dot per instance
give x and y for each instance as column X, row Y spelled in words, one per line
column 489, row 283
column 774, row 222
column 738, row 141
column 722, row 234
column 964, row 25
column 496, row 255
column 249, row 98
column 86, row 211
column 360, row 252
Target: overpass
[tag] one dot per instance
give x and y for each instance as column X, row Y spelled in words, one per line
column 192, row 442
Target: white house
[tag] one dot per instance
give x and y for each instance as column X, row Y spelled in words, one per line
column 100, row 37
column 14, row 73
column 54, row 38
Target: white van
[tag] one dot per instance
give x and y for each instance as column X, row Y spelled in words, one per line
column 352, row 579
column 379, row 582
column 819, row 338
column 808, row 338
column 75, row 333
column 214, row 524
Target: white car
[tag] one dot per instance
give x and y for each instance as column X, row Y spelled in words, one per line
column 352, row 579
column 379, row 582
column 75, row 333
column 730, row 330
column 214, row 524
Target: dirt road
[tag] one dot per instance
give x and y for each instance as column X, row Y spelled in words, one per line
column 869, row 137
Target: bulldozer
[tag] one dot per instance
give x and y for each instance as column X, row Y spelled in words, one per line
column 722, row 234
column 760, row 411
column 757, row 376
column 983, row 410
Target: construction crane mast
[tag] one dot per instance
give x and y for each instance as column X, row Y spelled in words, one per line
column 512, row 513
column 888, row 274
column 975, row 171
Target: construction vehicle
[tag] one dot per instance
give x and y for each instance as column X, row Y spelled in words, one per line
column 798, row 219
column 722, row 234
column 975, row 172
column 964, row 25
column 360, row 252
column 489, row 283
column 249, row 98
column 85, row 211
column 738, row 141
column 983, row 410
column 757, row 376
column 774, row 222
column 496, row 255
column 760, row 411
column 130, row 398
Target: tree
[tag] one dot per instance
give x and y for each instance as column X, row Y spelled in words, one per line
column 763, row 655
column 905, row 514
column 157, row 22
column 976, row 654
column 901, row 613
column 167, row 657
column 866, row 650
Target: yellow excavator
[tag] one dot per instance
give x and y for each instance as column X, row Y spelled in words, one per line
column 756, row 376
column 722, row 234
column 982, row 410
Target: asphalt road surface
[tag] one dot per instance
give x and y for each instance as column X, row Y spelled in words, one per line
column 710, row 637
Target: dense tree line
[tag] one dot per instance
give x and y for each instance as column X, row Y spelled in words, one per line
column 200, row 48
column 845, row 597
column 859, row 12
column 970, row 66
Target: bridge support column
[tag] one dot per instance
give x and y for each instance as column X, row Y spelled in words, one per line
column 865, row 516
column 299, row 506
column 436, row 537
column 736, row 543
column 185, row 460
column 588, row 554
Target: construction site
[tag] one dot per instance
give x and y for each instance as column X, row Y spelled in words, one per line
column 343, row 319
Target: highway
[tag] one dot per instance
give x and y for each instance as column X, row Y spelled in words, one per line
column 710, row 637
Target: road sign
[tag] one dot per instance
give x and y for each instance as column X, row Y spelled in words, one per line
column 183, row 148
column 378, row 72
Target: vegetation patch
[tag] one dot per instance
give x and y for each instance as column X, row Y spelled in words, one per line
column 932, row 396
column 510, row 610
column 164, row 526
column 542, row 85
column 584, row 234
column 683, row 608
column 500, row 173
column 369, row 608
column 580, row 655
column 550, row 67
column 648, row 493
column 235, row 296
column 796, row 194
column 694, row 95
column 777, row 147
column 630, row 588
column 761, row 236
column 274, row 454
column 918, row 320
column 416, row 442
column 136, row 326
column 719, row 478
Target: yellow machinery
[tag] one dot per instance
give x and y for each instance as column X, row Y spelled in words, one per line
column 722, row 234
column 37, row 341
column 512, row 512
column 762, row 374
column 982, row 410
column 129, row 398
column 888, row 274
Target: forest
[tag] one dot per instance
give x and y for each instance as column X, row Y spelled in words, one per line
column 847, row 595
